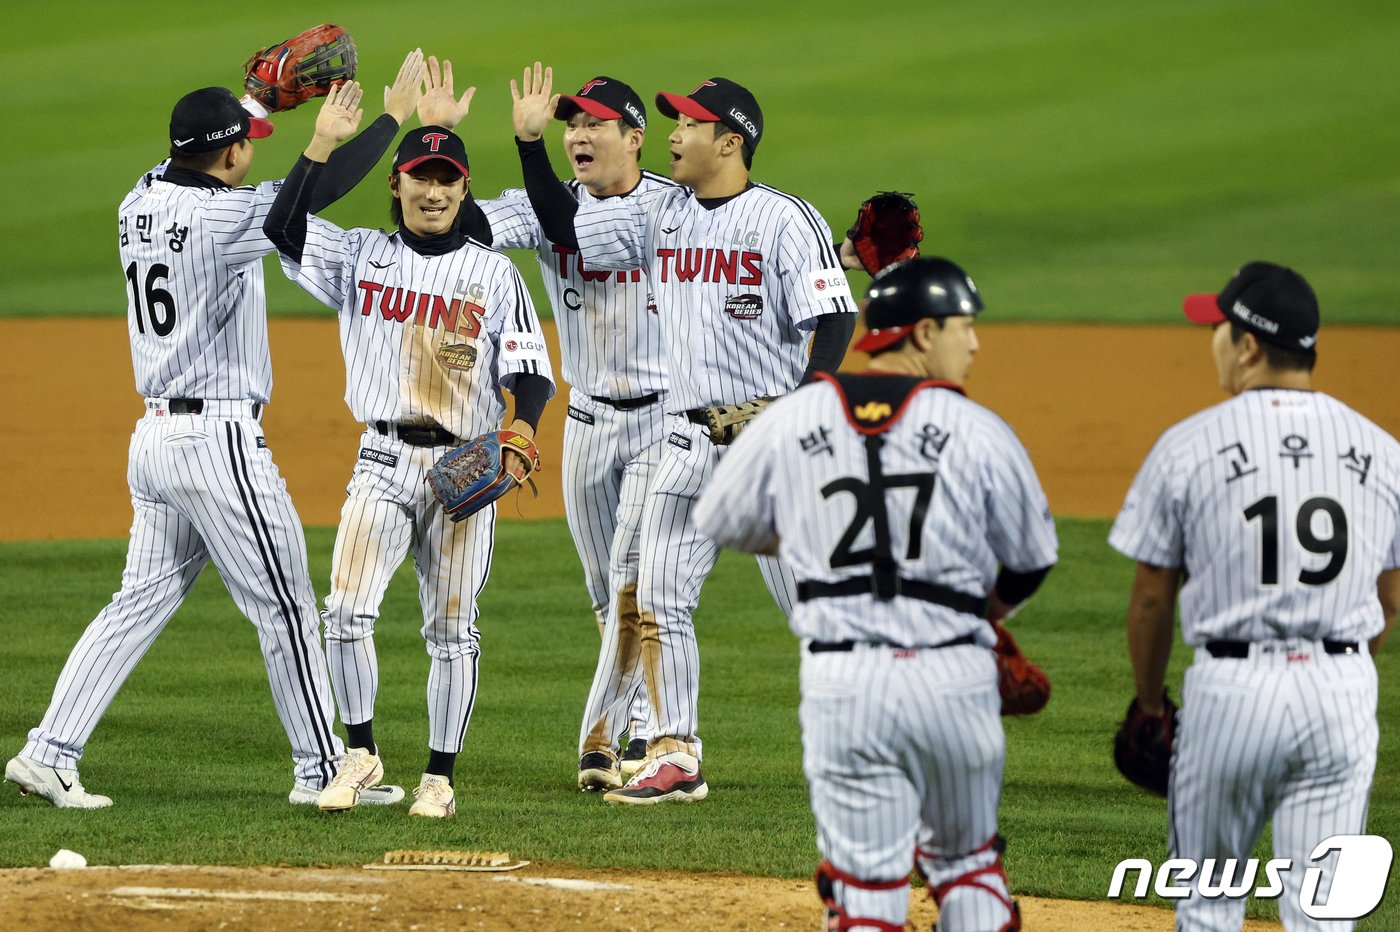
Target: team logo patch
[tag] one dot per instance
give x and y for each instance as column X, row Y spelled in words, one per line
column 744, row 306
column 580, row 415
column 459, row 356
column 379, row 456
column 873, row 411
column 679, row 440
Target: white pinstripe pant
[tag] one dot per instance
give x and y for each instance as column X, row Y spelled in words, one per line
column 1269, row 737
column 389, row 512
column 608, row 458
column 904, row 748
column 202, row 488
column 675, row 559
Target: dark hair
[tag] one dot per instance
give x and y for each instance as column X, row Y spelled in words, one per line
column 1276, row 356
column 721, row 129
column 199, row 161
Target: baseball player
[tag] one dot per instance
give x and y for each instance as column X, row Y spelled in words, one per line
column 894, row 498
column 610, row 348
column 433, row 325
column 1278, row 508
column 203, row 483
column 742, row 275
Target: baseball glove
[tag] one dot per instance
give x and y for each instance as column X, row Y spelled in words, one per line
column 886, row 230
column 1025, row 689
column 477, row 473
column 1142, row 748
column 725, row 421
column 295, row 70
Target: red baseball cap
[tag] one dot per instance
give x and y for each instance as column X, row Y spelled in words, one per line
column 212, row 118
column 1274, row 303
column 718, row 100
column 431, row 142
column 606, row 98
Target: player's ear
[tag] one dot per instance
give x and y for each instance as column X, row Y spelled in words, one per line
column 731, row 144
column 1250, row 349
column 924, row 334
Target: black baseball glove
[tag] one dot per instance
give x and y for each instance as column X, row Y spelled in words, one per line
column 886, row 230
column 1142, row 748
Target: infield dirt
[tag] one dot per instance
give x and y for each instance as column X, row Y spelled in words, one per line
column 1087, row 401
column 538, row 896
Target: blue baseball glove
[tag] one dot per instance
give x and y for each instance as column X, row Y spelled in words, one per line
column 480, row 471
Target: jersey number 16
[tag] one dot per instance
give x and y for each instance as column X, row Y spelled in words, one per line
column 160, row 303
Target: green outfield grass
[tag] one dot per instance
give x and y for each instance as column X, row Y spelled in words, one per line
column 1085, row 160
column 194, row 757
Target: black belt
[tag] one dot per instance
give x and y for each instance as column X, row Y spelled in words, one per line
column 418, row 436
column 1239, row 650
column 831, row 647
column 628, row 404
column 196, row 406
column 909, row 588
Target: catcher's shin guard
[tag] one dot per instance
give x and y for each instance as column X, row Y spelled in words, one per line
column 837, row 919
column 982, row 878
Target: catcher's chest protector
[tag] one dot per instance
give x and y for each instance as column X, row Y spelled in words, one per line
column 873, row 404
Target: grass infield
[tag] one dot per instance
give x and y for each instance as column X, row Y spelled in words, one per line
column 192, row 752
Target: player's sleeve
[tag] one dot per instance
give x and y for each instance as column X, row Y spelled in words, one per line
column 813, row 280
column 1149, row 526
column 735, row 508
column 613, row 232
column 520, row 348
column 512, row 219
column 1020, row 527
column 234, row 219
column 327, row 267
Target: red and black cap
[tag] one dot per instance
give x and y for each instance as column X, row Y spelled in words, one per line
column 718, row 100
column 431, row 142
column 1274, row 303
column 212, row 118
column 606, row 98
column 905, row 293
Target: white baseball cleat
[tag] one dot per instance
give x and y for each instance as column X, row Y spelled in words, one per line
column 60, row 787
column 359, row 770
column 434, row 798
column 385, row 794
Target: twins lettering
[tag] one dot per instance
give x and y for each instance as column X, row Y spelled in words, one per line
column 707, row 264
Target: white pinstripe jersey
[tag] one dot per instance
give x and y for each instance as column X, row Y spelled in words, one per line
column 795, row 473
column 1282, row 508
column 736, row 286
column 424, row 337
column 196, row 311
column 609, row 337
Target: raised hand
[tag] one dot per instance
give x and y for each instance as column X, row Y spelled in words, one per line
column 534, row 102
column 340, row 113
column 402, row 97
column 438, row 107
